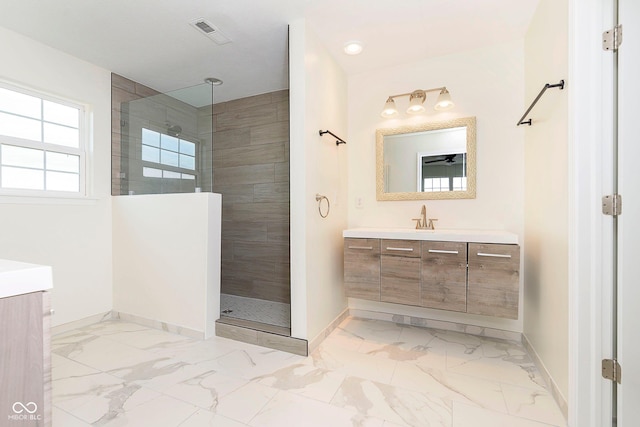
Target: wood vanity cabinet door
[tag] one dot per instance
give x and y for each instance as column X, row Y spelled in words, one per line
column 400, row 271
column 362, row 268
column 494, row 272
column 444, row 275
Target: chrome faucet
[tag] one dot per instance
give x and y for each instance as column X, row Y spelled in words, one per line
column 421, row 223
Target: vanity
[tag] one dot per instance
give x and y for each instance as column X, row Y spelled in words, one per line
column 25, row 355
column 468, row 271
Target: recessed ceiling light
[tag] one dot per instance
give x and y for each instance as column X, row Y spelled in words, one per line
column 353, row 47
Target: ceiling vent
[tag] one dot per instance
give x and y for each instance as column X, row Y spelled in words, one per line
column 208, row 29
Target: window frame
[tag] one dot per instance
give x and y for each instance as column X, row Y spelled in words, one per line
column 166, row 167
column 82, row 151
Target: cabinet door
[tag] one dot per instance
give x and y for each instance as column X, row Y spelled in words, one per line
column 21, row 355
column 400, row 271
column 494, row 280
column 362, row 268
column 444, row 275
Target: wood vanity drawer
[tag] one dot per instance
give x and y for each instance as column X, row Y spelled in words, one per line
column 405, row 248
column 494, row 280
column 444, row 275
column 362, row 268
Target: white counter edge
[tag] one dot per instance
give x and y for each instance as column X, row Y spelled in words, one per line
column 452, row 235
column 19, row 278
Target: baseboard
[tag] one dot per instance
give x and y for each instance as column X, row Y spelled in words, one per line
column 553, row 387
column 437, row 324
column 315, row 342
column 157, row 324
column 81, row 323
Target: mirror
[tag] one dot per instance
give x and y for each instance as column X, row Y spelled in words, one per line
column 428, row 161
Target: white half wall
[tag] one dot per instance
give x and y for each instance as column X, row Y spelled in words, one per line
column 166, row 258
column 487, row 83
column 318, row 89
column 72, row 236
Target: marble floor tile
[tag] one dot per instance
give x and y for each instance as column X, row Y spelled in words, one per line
column 288, row 409
column 369, row 373
column 451, row 386
column 162, row 411
column 399, row 406
column 70, row 392
column 472, row 416
column 206, row 389
column 305, row 379
column 106, row 407
column 149, row 339
column 251, row 361
column 353, row 363
column 204, row 418
column 535, row 405
column 64, row 419
column 246, row 402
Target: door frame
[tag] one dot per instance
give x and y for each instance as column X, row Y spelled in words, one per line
column 590, row 233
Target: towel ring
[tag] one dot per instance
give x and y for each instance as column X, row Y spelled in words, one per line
column 319, row 199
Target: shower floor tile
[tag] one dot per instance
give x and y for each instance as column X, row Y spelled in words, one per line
column 257, row 310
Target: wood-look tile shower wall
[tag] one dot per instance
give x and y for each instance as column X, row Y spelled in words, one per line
column 251, row 171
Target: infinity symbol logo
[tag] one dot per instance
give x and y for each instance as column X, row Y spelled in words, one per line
column 30, row 407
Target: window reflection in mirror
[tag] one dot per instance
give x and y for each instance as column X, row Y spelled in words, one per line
column 430, row 161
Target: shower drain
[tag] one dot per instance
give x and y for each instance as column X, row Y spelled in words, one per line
column 227, row 311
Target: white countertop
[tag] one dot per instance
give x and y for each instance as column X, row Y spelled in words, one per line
column 451, row 235
column 17, row 278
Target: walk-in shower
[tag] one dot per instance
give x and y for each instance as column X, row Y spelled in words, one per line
column 181, row 142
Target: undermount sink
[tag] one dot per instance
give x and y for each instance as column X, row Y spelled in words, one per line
column 447, row 235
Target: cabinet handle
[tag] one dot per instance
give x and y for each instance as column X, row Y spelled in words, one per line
column 439, row 251
column 400, row 249
column 367, row 248
column 494, row 255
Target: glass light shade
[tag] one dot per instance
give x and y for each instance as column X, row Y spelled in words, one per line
column 389, row 109
column 444, row 101
column 415, row 103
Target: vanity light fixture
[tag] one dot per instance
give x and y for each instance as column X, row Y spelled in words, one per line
column 416, row 101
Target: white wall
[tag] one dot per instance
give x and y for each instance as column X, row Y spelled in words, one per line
column 166, row 258
column 318, row 98
column 546, row 191
column 486, row 83
column 73, row 237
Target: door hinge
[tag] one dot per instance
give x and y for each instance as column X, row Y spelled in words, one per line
column 612, row 205
column 612, row 370
column 612, row 39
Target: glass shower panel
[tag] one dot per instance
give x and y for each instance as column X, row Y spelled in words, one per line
column 166, row 143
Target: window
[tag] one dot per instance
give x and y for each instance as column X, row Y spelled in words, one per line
column 436, row 184
column 177, row 157
column 42, row 149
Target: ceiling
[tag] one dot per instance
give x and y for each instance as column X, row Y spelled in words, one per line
column 151, row 41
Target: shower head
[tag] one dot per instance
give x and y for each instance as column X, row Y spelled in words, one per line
column 174, row 130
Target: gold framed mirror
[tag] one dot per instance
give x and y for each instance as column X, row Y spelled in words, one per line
column 428, row 161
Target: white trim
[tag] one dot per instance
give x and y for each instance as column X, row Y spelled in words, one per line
column 589, row 128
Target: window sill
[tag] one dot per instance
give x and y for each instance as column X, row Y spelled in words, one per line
column 8, row 199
